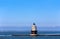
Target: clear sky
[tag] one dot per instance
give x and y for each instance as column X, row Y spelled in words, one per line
column 24, row 12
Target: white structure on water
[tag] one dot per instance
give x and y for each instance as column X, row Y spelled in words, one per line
column 34, row 30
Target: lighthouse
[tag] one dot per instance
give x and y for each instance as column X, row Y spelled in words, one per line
column 34, row 30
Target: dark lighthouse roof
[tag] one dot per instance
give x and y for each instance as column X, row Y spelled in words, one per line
column 33, row 23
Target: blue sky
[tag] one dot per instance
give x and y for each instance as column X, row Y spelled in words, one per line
column 22, row 13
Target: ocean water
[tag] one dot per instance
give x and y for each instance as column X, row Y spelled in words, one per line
column 7, row 35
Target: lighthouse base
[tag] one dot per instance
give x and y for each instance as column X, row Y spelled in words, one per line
column 33, row 32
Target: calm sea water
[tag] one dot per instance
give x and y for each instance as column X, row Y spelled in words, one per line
column 7, row 35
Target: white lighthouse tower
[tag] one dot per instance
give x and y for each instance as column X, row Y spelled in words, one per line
column 34, row 30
